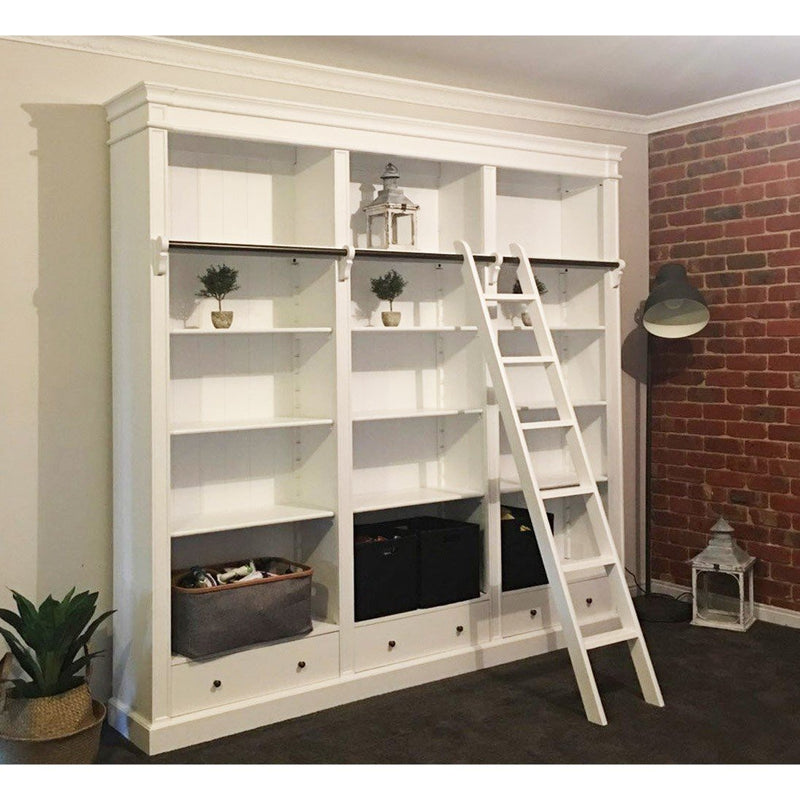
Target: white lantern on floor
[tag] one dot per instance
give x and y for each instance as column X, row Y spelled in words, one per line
column 391, row 217
column 722, row 583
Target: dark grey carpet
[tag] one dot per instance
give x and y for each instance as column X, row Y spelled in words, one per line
column 730, row 698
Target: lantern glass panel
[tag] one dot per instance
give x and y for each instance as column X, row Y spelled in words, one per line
column 718, row 596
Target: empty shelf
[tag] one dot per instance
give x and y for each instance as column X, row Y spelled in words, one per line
column 580, row 564
column 251, row 518
column 412, row 413
column 199, row 426
column 375, row 501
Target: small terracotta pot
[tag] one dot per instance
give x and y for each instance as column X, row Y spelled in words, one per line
column 526, row 319
column 222, row 319
column 391, row 319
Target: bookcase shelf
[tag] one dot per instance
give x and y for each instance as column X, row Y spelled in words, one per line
column 274, row 437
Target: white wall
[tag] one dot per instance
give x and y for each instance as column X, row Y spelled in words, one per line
column 55, row 352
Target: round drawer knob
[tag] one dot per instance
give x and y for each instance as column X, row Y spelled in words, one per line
column 392, row 642
column 459, row 629
column 588, row 601
column 217, row 684
column 301, row 664
column 534, row 612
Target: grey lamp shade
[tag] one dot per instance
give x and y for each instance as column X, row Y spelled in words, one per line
column 674, row 308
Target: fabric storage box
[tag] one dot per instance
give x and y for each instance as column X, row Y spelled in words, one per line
column 211, row 620
column 385, row 571
column 521, row 561
column 449, row 559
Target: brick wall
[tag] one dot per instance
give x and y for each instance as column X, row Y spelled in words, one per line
column 725, row 203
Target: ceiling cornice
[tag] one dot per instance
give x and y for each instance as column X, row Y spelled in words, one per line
column 190, row 55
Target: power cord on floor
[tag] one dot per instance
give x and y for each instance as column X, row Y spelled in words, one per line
column 660, row 607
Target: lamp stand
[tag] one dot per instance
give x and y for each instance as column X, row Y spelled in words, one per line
column 652, row 607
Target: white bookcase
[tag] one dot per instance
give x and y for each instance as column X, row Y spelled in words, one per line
column 307, row 416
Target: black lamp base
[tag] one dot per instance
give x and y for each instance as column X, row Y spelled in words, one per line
column 661, row 608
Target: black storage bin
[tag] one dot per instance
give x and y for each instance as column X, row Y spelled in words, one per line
column 207, row 621
column 449, row 559
column 521, row 561
column 385, row 570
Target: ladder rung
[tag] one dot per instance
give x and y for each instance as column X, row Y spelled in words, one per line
column 550, row 423
column 511, row 298
column 566, row 491
column 610, row 637
column 579, row 564
column 521, row 360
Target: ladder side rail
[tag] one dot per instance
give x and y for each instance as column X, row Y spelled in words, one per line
column 570, row 628
column 617, row 583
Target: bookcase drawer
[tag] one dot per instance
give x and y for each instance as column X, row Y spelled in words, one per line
column 258, row 670
column 424, row 633
column 526, row 611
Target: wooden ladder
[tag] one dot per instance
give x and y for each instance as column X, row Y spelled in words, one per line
column 483, row 308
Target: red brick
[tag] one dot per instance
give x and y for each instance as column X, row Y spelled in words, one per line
column 762, row 277
column 723, row 445
column 666, row 204
column 674, row 172
column 767, row 380
column 783, row 328
column 787, row 222
column 764, row 414
column 765, row 346
column 743, row 194
column 746, row 396
column 704, row 134
column 769, row 172
column 784, row 363
column 667, row 141
column 786, row 258
column 783, row 188
column 750, row 158
column 749, row 295
column 707, row 428
column 764, row 310
column 745, row 227
column 774, row 241
column 766, row 208
column 704, row 199
column 745, row 124
column 746, row 430
column 684, row 218
column 765, row 139
column 786, row 152
column 682, row 154
column 725, row 247
column 722, row 180
column 686, row 186
column 784, row 118
column 784, row 292
column 786, row 433
column 766, row 449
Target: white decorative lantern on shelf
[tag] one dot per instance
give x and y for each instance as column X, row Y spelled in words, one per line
column 722, row 583
column 391, row 217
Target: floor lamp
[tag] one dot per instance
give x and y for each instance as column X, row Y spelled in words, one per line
column 674, row 309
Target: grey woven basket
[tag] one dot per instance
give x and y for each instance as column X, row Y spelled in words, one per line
column 209, row 621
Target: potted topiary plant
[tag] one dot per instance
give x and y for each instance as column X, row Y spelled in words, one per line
column 526, row 317
column 218, row 282
column 389, row 287
column 50, row 718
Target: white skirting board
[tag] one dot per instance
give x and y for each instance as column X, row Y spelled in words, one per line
column 777, row 616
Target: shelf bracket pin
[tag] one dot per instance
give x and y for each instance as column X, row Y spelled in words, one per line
column 616, row 275
column 345, row 263
column 159, row 255
column 494, row 269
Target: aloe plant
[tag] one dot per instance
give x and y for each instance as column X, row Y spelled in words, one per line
column 55, row 634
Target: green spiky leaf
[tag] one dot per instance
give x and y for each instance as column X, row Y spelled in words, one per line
column 50, row 639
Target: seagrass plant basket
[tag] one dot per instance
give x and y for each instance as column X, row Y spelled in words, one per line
column 59, row 729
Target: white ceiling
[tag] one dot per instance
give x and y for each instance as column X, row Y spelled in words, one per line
column 641, row 75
